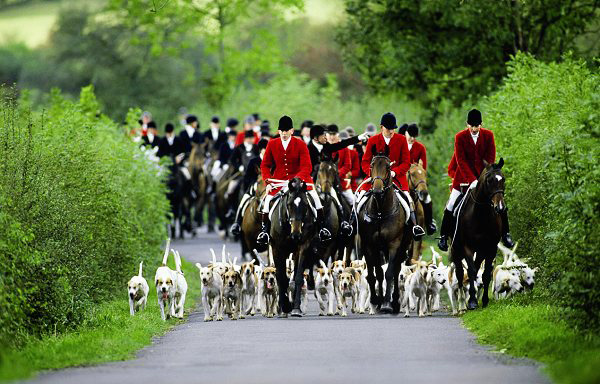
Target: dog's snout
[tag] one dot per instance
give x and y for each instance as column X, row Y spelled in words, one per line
column 131, row 294
column 164, row 289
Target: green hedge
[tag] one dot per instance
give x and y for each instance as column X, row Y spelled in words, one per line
column 79, row 208
column 546, row 124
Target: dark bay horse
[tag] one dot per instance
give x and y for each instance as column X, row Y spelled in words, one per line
column 417, row 184
column 479, row 228
column 251, row 221
column 383, row 233
column 327, row 176
column 293, row 226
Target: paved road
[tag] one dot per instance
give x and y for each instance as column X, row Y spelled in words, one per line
column 356, row 349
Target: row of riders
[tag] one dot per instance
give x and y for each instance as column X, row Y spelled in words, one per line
column 329, row 194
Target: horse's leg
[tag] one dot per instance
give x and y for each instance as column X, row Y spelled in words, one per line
column 487, row 277
column 379, row 276
column 458, row 269
column 375, row 299
column 396, row 294
column 472, row 274
column 390, row 280
column 298, row 282
column 282, row 282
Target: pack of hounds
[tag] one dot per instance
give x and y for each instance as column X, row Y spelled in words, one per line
column 241, row 290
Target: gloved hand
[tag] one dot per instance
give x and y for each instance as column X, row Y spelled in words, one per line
column 364, row 136
column 179, row 158
column 241, row 168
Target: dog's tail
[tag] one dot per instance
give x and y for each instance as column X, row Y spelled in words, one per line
column 140, row 273
column 214, row 256
column 166, row 256
column 223, row 260
column 270, row 254
column 260, row 261
column 177, row 260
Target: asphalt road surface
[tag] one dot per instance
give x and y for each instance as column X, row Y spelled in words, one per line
column 312, row 349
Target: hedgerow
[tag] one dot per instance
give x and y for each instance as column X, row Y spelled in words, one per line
column 79, row 209
column 547, row 129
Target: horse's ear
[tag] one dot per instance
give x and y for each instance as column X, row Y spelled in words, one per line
column 501, row 163
column 485, row 163
column 386, row 150
column 374, row 149
column 304, row 187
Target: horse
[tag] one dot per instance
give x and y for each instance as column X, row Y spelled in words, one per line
column 176, row 191
column 200, row 180
column 251, row 221
column 222, row 203
column 293, row 227
column 383, row 233
column 417, row 184
column 478, row 231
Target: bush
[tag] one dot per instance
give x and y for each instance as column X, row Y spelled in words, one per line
column 79, row 209
column 545, row 123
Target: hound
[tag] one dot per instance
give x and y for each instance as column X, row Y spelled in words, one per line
column 181, row 286
column 324, row 289
column 212, row 288
column 165, row 280
column 249, row 288
column 138, row 292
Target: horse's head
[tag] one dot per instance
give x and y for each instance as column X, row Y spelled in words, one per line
column 417, row 180
column 381, row 173
column 492, row 181
column 297, row 206
column 260, row 183
column 327, row 174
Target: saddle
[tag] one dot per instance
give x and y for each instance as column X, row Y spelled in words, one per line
column 401, row 198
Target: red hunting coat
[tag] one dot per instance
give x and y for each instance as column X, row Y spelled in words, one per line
column 283, row 164
column 398, row 154
column 452, row 167
column 344, row 166
column 418, row 152
column 239, row 139
column 470, row 156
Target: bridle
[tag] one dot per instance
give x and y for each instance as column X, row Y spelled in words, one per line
column 490, row 196
column 386, row 181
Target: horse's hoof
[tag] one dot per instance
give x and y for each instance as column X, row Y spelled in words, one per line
column 296, row 313
column 386, row 308
column 472, row 305
column 282, row 315
column 286, row 306
column 395, row 308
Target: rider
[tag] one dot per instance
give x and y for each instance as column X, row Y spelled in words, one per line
column 151, row 138
column 189, row 134
column 215, row 136
column 354, row 160
column 239, row 159
column 249, row 185
column 471, row 147
column 400, row 159
column 285, row 158
column 249, row 124
column 171, row 145
column 418, row 152
column 344, row 163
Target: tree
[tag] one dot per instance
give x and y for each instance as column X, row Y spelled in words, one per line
column 170, row 24
column 455, row 49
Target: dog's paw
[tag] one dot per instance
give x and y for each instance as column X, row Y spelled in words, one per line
column 220, row 318
column 208, row 319
column 242, row 317
column 407, row 315
column 362, row 312
column 252, row 313
column 321, row 314
column 329, row 313
column 344, row 314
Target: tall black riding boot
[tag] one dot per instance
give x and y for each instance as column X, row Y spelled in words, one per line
column 263, row 237
column 447, row 222
column 429, row 223
column 324, row 233
column 506, row 237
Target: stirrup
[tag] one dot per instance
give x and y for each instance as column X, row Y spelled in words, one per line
column 507, row 240
column 324, row 235
column 418, row 232
column 346, row 229
column 235, row 229
column 263, row 238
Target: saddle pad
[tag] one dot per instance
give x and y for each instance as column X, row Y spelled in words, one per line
column 363, row 199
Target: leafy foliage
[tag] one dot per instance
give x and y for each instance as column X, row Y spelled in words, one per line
column 545, row 121
column 455, row 49
column 80, row 207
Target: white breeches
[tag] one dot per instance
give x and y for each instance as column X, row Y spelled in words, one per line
column 349, row 196
column 452, row 200
column 232, row 186
column 312, row 193
column 242, row 205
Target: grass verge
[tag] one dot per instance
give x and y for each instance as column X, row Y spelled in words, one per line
column 538, row 331
column 110, row 334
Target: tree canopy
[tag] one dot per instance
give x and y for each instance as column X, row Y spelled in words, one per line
column 455, row 49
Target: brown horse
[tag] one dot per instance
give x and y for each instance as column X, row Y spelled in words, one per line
column 478, row 231
column 383, row 233
column 327, row 176
column 200, row 179
column 251, row 221
column 417, row 184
